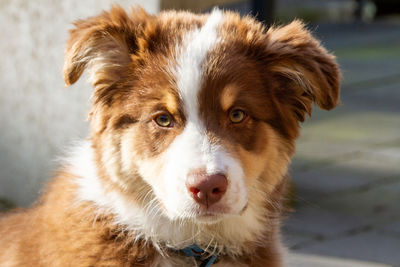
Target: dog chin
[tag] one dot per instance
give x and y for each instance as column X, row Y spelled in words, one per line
column 212, row 214
column 208, row 218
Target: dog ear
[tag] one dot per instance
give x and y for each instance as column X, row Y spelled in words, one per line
column 105, row 45
column 308, row 73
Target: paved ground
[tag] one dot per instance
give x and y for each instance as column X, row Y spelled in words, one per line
column 347, row 168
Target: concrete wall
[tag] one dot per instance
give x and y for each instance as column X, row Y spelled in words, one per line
column 39, row 118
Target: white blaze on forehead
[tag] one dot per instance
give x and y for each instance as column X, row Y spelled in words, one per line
column 193, row 143
column 192, row 150
column 191, row 56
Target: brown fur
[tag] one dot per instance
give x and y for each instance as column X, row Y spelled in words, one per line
column 275, row 75
column 56, row 232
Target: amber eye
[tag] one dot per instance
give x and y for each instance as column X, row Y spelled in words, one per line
column 164, row 120
column 237, row 115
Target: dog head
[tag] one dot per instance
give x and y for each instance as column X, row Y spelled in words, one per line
column 197, row 113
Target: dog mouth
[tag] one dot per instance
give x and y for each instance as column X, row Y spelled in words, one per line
column 215, row 213
column 208, row 217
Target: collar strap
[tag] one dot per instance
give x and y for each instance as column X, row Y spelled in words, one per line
column 205, row 259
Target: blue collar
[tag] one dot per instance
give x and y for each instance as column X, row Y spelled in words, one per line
column 205, row 259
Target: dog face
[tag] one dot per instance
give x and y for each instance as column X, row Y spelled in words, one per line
column 197, row 113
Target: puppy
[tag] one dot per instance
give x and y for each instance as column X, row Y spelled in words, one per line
column 193, row 125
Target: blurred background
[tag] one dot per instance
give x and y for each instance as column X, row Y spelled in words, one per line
column 346, row 173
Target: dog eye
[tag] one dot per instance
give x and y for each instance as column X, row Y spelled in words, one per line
column 237, row 115
column 164, row 120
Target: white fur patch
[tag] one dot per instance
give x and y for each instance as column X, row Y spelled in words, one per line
column 190, row 61
column 150, row 224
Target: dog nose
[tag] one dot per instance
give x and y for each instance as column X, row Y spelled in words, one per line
column 206, row 189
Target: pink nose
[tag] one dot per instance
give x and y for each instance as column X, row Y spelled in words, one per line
column 206, row 189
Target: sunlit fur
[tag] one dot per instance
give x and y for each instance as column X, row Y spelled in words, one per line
column 120, row 198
